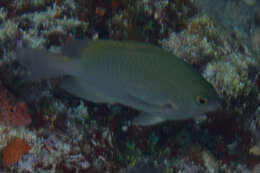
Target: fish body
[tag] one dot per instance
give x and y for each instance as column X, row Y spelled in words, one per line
column 143, row 76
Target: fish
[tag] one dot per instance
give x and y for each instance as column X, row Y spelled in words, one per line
column 143, row 76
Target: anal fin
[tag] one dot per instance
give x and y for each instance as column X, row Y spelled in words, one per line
column 145, row 119
column 81, row 89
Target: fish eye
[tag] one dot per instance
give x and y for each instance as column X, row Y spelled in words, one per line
column 201, row 100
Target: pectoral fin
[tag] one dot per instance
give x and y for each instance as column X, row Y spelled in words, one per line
column 83, row 90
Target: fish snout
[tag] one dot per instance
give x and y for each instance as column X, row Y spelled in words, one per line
column 214, row 106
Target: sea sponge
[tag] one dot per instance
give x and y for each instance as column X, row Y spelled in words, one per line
column 13, row 151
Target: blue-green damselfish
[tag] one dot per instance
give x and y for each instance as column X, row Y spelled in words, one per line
column 139, row 75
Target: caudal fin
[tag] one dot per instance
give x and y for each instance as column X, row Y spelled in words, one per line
column 43, row 64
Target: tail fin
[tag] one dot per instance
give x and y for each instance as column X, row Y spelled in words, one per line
column 42, row 64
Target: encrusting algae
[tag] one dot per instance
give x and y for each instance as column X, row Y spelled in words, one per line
column 13, row 151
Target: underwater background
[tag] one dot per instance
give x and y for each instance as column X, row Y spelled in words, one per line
column 45, row 129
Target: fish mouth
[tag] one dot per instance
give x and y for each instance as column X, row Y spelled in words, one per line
column 214, row 107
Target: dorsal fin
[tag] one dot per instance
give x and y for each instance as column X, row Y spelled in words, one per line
column 43, row 64
column 75, row 47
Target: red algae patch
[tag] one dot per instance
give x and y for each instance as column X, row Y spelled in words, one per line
column 13, row 151
column 12, row 113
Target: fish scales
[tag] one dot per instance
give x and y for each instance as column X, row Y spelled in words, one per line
column 143, row 76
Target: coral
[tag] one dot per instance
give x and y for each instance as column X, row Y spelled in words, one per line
column 146, row 167
column 8, row 133
column 233, row 14
column 255, row 42
column 210, row 162
column 32, row 3
column 27, row 163
column 69, row 135
column 8, row 30
column 79, row 113
column 203, row 25
column 255, row 150
column 8, row 35
column 230, row 78
column 239, row 17
column 48, row 23
column 249, row 2
column 38, row 24
column 190, row 47
column 196, row 44
column 12, row 113
column 230, row 65
column 150, row 20
column 13, row 151
column 3, row 14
